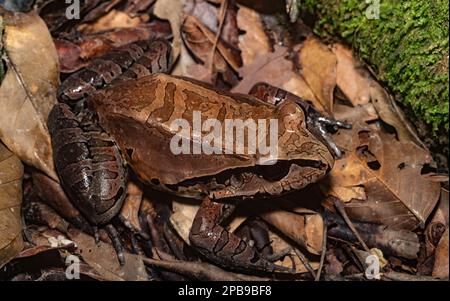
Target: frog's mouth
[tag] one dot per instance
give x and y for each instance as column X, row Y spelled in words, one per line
column 283, row 176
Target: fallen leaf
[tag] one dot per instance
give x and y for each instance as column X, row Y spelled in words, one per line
column 130, row 209
column 199, row 39
column 208, row 14
column 28, row 91
column 441, row 258
column 345, row 194
column 273, row 63
column 305, row 228
column 361, row 88
column 442, row 211
column 351, row 77
column 103, row 259
column 281, row 73
column 318, row 68
column 51, row 193
column 11, row 174
column 397, row 194
column 333, row 266
column 399, row 243
column 291, row 259
column 171, row 10
column 135, row 6
column 254, row 42
column 113, row 20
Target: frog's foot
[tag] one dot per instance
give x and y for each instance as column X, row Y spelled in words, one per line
column 324, row 125
column 223, row 247
column 117, row 244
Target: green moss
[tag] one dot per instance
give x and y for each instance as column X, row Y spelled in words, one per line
column 407, row 47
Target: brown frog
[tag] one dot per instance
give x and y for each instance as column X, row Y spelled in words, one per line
column 140, row 116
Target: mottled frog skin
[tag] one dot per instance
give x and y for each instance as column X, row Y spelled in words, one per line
column 129, row 118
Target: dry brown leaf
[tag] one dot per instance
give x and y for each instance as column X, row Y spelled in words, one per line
column 171, row 10
column 281, row 75
column 360, row 87
column 364, row 113
column 441, row 268
column 397, row 194
column 200, row 40
column 351, row 77
column 273, row 63
column 28, row 91
column 113, row 20
column 291, row 260
column 306, row 228
column 297, row 85
column 254, row 42
column 103, row 259
column 442, row 212
column 130, row 209
column 318, row 68
column 345, row 194
column 11, row 174
column 208, row 14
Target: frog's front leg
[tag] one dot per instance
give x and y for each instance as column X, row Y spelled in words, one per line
column 221, row 246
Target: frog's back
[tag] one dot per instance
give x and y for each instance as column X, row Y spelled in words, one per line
column 140, row 115
column 163, row 98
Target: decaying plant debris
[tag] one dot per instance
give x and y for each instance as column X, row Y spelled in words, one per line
column 384, row 196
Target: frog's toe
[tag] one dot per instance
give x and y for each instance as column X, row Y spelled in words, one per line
column 117, row 244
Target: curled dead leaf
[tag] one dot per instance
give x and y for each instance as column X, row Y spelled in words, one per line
column 254, row 42
column 397, row 194
column 28, row 91
column 102, row 258
column 113, row 20
column 199, row 39
column 361, row 88
column 11, row 174
column 441, row 258
column 318, row 67
column 171, row 10
column 305, row 228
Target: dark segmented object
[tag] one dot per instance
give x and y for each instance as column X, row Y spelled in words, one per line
column 224, row 247
column 130, row 61
column 88, row 163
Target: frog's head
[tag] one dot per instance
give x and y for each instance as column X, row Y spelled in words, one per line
column 301, row 158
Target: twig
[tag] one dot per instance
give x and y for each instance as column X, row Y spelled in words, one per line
column 201, row 270
column 396, row 276
column 222, row 15
column 305, row 262
column 340, row 207
column 324, row 250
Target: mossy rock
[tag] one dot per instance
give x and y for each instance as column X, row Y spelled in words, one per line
column 406, row 47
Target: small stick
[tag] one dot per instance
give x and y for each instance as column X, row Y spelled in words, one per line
column 340, row 207
column 322, row 256
column 305, row 262
column 396, row 276
column 222, row 15
column 201, row 270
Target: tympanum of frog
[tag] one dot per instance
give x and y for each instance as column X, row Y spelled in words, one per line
column 130, row 121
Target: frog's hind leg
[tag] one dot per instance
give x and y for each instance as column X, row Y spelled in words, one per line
column 223, row 247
